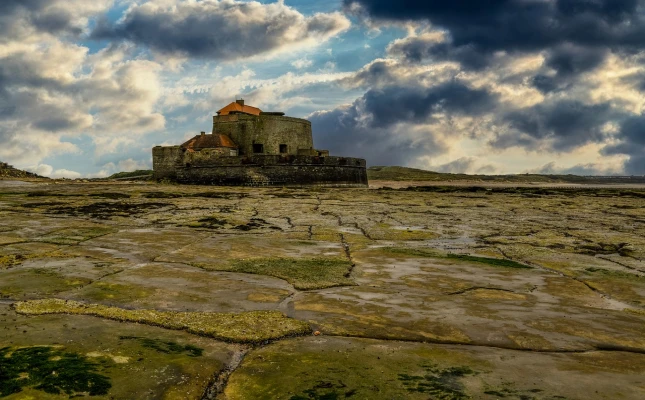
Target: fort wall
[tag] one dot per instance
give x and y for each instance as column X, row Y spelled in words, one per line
column 164, row 160
column 258, row 170
column 270, row 131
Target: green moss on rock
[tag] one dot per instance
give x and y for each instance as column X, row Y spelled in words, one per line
column 246, row 327
column 50, row 370
column 496, row 262
column 303, row 274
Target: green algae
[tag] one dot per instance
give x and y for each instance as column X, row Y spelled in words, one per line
column 613, row 273
column 439, row 383
column 509, row 392
column 326, row 390
column 496, row 262
column 50, row 370
column 11, row 260
column 75, row 235
column 167, row 347
column 162, row 195
column 246, row 327
column 303, row 274
column 110, row 195
column 107, row 210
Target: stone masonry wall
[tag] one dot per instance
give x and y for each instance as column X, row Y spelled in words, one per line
column 164, row 160
column 209, row 167
column 269, row 130
column 329, row 173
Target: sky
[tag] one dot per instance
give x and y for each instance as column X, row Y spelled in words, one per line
column 87, row 88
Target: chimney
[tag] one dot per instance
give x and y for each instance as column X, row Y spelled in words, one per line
column 203, row 133
column 240, row 102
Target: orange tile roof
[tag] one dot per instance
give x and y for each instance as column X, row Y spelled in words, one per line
column 208, row 142
column 234, row 106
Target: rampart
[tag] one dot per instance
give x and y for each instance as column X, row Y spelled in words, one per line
column 260, row 170
column 164, row 160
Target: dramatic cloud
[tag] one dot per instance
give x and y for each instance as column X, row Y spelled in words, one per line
column 53, row 91
column 398, row 123
column 584, row 90
column 562, row 125
column 24, row 18
column 488, row 86
column 222, row 29
column 632, row 143
column 521, row 24
column 579, row 169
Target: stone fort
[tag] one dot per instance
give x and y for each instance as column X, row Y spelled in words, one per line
column 254, row 148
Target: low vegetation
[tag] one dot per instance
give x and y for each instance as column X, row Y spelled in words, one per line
column 246, row 327
column 496, row 262
column 303, row 274
column 412, row 174
column 134, row 174
column 50, row 370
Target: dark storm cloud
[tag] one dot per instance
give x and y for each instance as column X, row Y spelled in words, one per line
column 521, row 24
column 342, row 132
column 367, row 127
column 392, row 105
column 567, row 123
column 576, row 37
column 580, row 169
column 417, row 49
column 42, row 15
column 478, row 28
column 632, row 137
column 221, row 30
column 568, row 62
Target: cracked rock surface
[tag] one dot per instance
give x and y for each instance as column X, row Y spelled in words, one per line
column 191, row 292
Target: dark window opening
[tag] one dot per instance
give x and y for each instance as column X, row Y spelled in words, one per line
column 258, row 148
column 283, row 148
column 187, row 165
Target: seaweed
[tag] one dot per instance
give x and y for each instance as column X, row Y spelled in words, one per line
column 440, row 383
column 303, row 274
column 167, row 347
column 110, row 195
column 496, row 262
column 325, row 390
column 106, row 210
column 50, row 370
column 245, row 327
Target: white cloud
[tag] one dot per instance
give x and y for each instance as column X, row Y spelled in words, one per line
column 302, row 63
column 48, row 171
column 225, row 30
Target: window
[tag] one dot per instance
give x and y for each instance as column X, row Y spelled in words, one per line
column 283, row 148
column 258, row 148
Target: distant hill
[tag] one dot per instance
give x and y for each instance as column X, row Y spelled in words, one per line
column 7, row 171
column 138, row 174
column 412, row 174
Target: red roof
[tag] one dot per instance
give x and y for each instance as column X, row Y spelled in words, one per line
column 235, row 106
column 208, row 142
